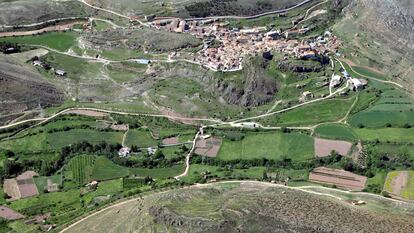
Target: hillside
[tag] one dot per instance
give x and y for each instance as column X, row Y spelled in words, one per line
column 20, row 12
column 381, row 35
column 245, row 207
column 23, row 89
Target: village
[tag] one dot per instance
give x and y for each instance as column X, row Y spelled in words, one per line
column 235, row 44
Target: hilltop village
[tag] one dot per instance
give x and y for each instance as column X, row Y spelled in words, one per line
column 224, row 48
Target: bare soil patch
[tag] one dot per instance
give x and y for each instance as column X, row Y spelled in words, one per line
column 323, row 147
column 27, row 186
column 9, row 214
column 340, row 178
column 170, row 141
column 87, row 113
column 208, row 147
column 122, row 127
column 12, row 189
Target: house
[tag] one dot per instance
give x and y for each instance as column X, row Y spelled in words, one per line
column 151, row 150
column 307, row 95
column 37, row 63
column 273, row 35
column 346, row 75
column 149, row 17
column 358, row 84
column 336, row 81
column 60, row 72
column 308, row 55
column 124, row 152
column 143, row 61
column 92, row 185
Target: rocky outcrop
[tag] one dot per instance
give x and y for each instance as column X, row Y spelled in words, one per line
column 250, row 87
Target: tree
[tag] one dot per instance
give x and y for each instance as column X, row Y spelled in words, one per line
column 11, row 168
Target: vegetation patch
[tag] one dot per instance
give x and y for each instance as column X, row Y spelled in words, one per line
column 61, row 41
column 275, row 145
column 336, row 131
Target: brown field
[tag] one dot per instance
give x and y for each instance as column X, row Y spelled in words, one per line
column 208, row 147
column 12, row 189
column 87, row 113
column 9, row 214
column 323, row 147
column 170, row 141
column 27, row 186
column 122, row 127
column 340, row 178
column 22, row 186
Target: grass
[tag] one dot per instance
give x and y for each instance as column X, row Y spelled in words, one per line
column 105, row 169
column 196, row 170
column 324, row 111
column 64, row 138
column 392, row 106
column 109, row 187
column 158, row 173
column 41, row 181
column 61, row 41
column 141, row 138
column 400, row 135
column 274, row 145
column 336, row 131
column 47, row 202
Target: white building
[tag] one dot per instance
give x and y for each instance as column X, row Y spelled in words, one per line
column 124, row 152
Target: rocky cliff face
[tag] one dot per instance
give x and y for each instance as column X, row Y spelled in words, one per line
column 250, row 87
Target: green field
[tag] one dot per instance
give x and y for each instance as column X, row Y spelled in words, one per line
column 158, row 173
column 61, row 41
column 336, row 131
column 400, row 135
column 323, row 111
column 141, row 138
column 41, row 181
column 61, row 139
column 196, row 172
column 105, row 169
column 274, row 145
column 392, row 107
column 81, row 168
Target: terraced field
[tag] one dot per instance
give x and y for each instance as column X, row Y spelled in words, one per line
column 248, row 207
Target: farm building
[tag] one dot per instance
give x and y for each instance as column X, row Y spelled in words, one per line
column 151, row 150
column 124, row 152
column 358, row 84
column 307, row 95
column 340, row 178
column 336, row 81
column 60, row 72
column 143, row 61
column 37, row 63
